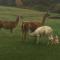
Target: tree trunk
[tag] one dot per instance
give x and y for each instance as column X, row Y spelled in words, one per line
column 19, row 3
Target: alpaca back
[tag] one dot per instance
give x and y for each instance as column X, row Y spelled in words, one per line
column 30, row 25
column 43, row 30
column 47, row 29
column 10, row 24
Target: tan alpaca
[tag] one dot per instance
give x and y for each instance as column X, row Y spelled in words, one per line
column 43, row 30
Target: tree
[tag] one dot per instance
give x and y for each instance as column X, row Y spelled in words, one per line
column 19, row 3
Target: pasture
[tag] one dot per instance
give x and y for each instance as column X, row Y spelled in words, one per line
column 11, row 45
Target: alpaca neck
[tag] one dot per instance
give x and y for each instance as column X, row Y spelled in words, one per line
column 44, row 18
column 17, row 20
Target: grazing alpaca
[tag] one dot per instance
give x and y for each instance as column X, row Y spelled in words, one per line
column 10, row 24
column 55, row 40
column 30, row 26
column 43, row 30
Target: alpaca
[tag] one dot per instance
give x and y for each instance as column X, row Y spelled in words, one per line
column 43, row 30
column 10, row 24
column 30, row 26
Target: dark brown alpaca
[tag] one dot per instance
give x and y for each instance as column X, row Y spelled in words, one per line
column 9, row 24
column 31, row 26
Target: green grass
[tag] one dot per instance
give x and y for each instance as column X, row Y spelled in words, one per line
column 11, row 45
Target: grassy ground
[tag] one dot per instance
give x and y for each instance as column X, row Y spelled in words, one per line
column 11, row 45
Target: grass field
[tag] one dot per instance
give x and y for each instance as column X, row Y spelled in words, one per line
column 11, row 45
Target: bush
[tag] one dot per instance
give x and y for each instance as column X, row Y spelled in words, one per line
column 56, row 8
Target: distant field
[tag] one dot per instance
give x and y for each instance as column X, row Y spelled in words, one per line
column 11, row 45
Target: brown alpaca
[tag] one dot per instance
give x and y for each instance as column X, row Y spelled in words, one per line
column 10, row 24
column 31, row 26
column 28, row 26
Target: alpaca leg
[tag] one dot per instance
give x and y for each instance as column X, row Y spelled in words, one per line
column 38, row 39
column 48, row 42
column 22, row 35
column 50, row 37
column 25, row 35
column 29, row 31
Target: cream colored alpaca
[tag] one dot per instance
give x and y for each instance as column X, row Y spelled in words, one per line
column 43, row 30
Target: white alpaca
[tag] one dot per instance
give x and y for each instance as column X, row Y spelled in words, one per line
column 43, row 30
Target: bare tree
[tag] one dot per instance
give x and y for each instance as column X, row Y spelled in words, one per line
column 19, row 3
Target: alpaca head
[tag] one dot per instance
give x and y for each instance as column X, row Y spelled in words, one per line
column 17, row 18
column 55, row 40
column 21, row 17
column 47, row 14
column 32, row 34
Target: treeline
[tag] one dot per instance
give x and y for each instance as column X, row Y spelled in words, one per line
column 38, row 4
column 7, row 2
column 25, row 2
column 34, row 4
